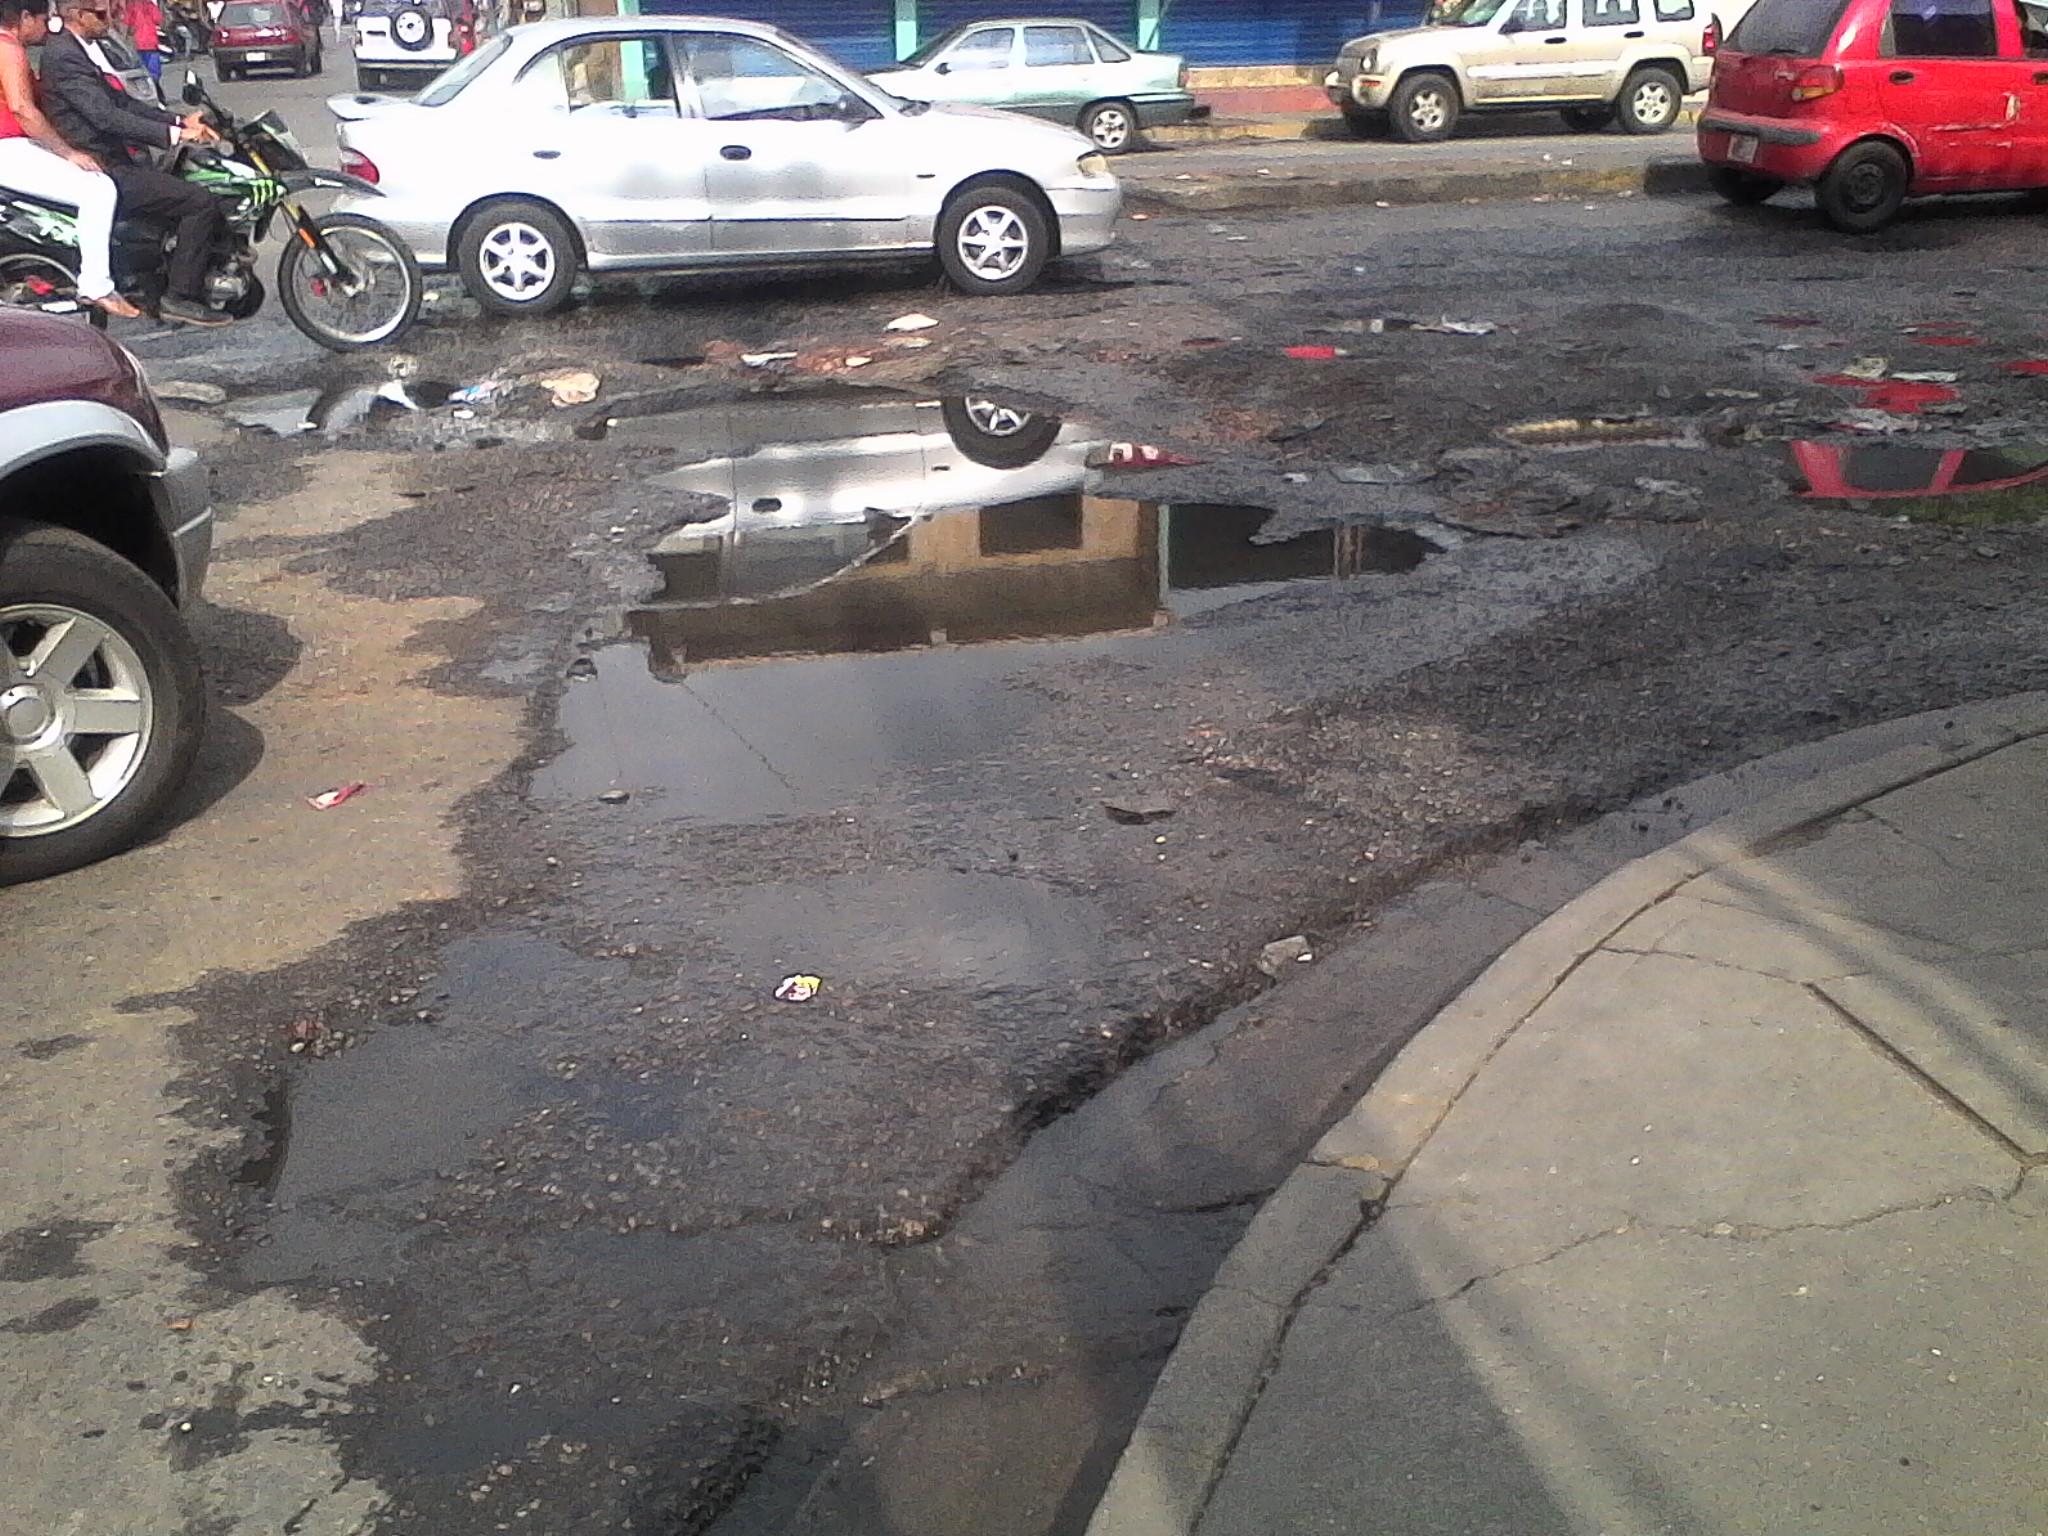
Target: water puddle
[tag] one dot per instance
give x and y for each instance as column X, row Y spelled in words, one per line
column 338, row 409
column 2008, row 483
column 872, row 550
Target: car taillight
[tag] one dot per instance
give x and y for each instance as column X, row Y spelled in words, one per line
column 1710, row 40
column 355, row 163
column 1816, row 81
column 465, row 37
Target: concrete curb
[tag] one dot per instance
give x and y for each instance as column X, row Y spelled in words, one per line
column 1232, row 1342
column 1665, row 176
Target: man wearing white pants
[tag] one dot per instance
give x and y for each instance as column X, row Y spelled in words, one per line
column 36, row 160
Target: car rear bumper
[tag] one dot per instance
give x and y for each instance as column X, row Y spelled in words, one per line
column 1789, row 151
column 1164, row 111
column 1087, row 216
column 270, row 53
column 184, row 504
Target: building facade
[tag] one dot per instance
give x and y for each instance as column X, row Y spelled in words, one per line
column 869, row 34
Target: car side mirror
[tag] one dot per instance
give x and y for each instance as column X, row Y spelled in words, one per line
column 942, row 68
column 194, row 93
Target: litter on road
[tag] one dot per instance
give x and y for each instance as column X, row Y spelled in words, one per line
column 328, row 799
column 578, row 387
column 799, row 989
column 911, row 322
column 1281, row 953
column 1316, row 354
column 763, row 359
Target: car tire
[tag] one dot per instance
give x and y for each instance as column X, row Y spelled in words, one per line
column 1862, row 190
column 1111, row 125
column 996, row 435
column 1424, row 108
column 993, row 238
column 1650, row 100
column 141, row 654
column 1587, row 119
column 366, row 79
column 518, row 257
column 1740, row 187
column 1363, row 124
column 224, row 72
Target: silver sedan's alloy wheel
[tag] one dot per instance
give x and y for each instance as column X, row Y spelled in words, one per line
column 516, row 261
column 1654, row 101
column 76, row 716
column 993, row 242
column 1429, row 109
column 1110, row 128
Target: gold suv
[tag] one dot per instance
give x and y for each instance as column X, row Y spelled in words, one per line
column 1596, row 61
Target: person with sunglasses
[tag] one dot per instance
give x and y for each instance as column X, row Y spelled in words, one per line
column 91, row 108
column 36, row 159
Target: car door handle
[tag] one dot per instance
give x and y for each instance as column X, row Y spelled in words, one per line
column 735, row 152
column 2041, row 77
column 1631, row 34
column 1554, row 39
column 1902, row 77
column 547, row 154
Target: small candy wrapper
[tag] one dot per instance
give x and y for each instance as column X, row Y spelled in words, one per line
column 799, row 989
column 328, row 799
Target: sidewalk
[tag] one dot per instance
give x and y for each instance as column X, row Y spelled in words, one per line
column 1286, row 162
column 1707, row 1208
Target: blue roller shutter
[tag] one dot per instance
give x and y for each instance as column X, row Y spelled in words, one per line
column 1210, row 32
column 860, row 33
column 1119, row 18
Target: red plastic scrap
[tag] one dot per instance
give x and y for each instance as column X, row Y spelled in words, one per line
column 328, row 799
column 1902, row 397
column 2031, row 365
column 1314, row 354
column 1943, row 339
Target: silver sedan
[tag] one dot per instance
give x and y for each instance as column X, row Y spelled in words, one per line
column 685, row 143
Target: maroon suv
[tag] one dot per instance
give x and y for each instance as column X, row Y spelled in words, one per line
column 265, row 34
column 105, row 531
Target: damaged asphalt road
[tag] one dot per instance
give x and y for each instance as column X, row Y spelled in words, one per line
column 590, row 1232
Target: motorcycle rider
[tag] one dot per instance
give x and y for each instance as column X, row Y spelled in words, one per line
column 88, row 105
column 34, row 158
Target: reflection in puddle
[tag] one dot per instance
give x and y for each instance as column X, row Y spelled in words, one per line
column 828, row 534
column 2002, row 484
column 884, row 525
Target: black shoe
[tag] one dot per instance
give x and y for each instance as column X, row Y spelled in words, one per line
column 191, row 312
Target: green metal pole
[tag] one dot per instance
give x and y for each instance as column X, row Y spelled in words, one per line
column 1150, row 14
column 906, row 28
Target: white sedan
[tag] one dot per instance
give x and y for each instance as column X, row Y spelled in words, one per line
column 686, row 143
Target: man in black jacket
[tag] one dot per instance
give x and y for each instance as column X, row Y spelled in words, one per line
column 86, row 103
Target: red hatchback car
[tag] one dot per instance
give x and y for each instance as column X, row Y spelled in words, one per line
column 1872, row 101
column 265, row 34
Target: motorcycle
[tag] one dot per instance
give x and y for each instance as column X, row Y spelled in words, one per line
column 345, row 280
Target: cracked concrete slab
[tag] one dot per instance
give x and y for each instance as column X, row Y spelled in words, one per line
column 1710, row 1209
column 1849, row 1382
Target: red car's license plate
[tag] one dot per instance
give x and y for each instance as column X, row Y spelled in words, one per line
column 1742, row 148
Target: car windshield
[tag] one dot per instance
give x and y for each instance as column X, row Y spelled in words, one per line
column 252, row 16
column 1473, row 13
column 1797, row 29
column 447, row 85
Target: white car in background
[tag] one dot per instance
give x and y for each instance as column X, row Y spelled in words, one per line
column 659, row 143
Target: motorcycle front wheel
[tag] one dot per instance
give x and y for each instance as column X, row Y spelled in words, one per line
column 374, row 300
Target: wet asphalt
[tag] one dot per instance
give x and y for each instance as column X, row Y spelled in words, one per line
column 643, row 1247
